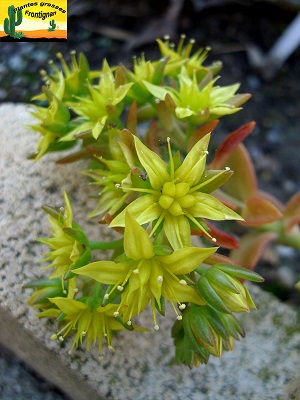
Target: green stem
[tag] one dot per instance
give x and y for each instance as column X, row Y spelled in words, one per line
column 292, row 241
column 97, row 289
column 146, row 112
column 114, row 244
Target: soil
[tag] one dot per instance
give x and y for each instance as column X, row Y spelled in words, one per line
column 118, row 29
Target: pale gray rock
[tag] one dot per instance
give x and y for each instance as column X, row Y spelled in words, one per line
column 264, row 366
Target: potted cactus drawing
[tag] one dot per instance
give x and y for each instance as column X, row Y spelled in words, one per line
column 14, row 19
column 53, row 26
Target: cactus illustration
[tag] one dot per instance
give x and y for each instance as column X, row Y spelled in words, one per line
column 53, row 26
column 11, row 22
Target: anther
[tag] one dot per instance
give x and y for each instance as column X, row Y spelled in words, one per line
column 136, row 271
column 179, row 317
column 206, row 152
column 65, row 292
column 116, row 313
column 76, row 290
column 182, row 306
column 117, row 185
column 106, row 296
column 227, row 169
column 61, row 338
column 83, row 333
column 182, row 282
column 168, row 139
column 120, row 288
column 156, row 327
column 213, row 240
column 129, row 323
column 160, row 278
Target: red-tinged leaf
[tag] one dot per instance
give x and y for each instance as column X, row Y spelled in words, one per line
column 219, row 258
column 170, row 103
column 259, row 211
column 132, row 118
column 200, row 132
column 272, row 199
column 107, row 220
column 166, row 116
column 151, row 139
column 224, row 239
column 251, row 248
column 127, row 138
column 79, row 155
column 243, row 183
column 292, row 212
column 230, row 143
column 120, row 76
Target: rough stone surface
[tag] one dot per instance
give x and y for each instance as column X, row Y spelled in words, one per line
column 265, row 365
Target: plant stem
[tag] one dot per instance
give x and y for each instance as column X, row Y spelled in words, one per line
column 114, row 244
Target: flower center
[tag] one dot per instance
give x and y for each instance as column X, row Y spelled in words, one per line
column 175, row 198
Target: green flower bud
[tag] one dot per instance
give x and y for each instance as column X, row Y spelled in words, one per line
column 43, row 290
column 222, row 291
column 202, row 332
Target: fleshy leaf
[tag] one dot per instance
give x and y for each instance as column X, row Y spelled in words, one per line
column 239, row 272
column 251, row 247
column 243, row 183
column 292, row 212
column 200, row 132
column 223, row 239
column 259, row 211
column 230, row 143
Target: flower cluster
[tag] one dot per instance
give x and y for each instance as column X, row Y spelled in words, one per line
column 146, row 133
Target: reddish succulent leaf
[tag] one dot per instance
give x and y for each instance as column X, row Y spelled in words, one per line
column 132, row 118
column 219, row 258
column 165, row 114
column 170, row 103
column 107, row 220
column 272, row 199
column 224, row 239
column 120, row 76
column 251, row 248
column 259, row 211
column 243, row 183
column 127, row 138
column 73, row 157
column 230, row 143
column 292, row 212
column 151, row 140
column 200, row 132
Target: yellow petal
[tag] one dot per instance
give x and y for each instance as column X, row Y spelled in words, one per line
column 137, row 244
